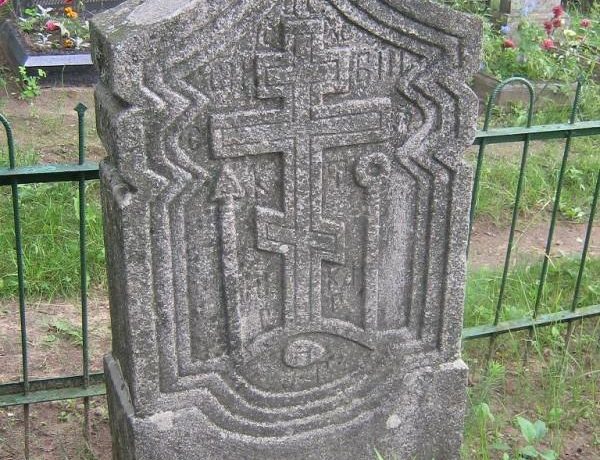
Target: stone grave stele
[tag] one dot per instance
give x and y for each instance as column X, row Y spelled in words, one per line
column 537, row 11
column 286, row 216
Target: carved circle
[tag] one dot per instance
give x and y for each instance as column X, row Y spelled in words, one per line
column 303, row 353
column 372, row 169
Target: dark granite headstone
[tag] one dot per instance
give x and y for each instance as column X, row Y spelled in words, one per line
column 286, row 215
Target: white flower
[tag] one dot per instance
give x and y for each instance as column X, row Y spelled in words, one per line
column 44, row 38
column 44, row 12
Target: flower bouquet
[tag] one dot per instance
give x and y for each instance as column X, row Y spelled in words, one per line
column 560, row 49
column 61, row 29
column 552, row 54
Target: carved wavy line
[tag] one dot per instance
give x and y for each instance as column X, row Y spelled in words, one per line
column 358, row 380
column 440, row 194
column 182, row 164
column 236, row 403
column 413, row 255
column 422, row 173
column 454, row 101
column 417, row 94
column 163, row 254
column 237, row 424
column 449, row 193
column 285, row 438
column 350, row 405
column 447, row 117
column 276, row 403
column 160, row 164
column 461, row 91
column 173, row 131
column 370, row 24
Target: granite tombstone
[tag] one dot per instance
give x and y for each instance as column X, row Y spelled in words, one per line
column 286, row 215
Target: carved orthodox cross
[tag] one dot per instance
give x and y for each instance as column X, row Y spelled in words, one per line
column 301, row 74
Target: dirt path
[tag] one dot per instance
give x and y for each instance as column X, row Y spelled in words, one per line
column 54, row 121
column 54, row 338
column 489, row 243
column 54, row 344
column 52, row 118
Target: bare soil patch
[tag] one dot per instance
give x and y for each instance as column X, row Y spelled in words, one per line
column 53, row 120
column 54, row 344
column 489, row 242
column 56, row 432
column 53, row 337
column 580, row 444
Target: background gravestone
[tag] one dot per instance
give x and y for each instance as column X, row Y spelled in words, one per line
column 534, row 10
column 90, row 6
column 286, row 214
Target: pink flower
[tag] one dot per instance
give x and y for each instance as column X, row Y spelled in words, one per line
column 549, row 27
column 51, row 26
column 548, row 44
column 558, row 11
column 585, row 23
column 4, row 2
column 508, row 43
column 557, row 22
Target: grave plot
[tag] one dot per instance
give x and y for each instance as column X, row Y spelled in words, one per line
column 52, row 36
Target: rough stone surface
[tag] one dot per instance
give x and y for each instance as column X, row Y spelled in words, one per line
column 286, row 213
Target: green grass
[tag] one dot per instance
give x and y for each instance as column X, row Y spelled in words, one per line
column 558, row 384
column 501, row 168
column 516, row 113
column 50, row 227
column 483, row 287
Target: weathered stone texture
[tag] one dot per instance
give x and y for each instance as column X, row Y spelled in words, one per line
column 286, row 214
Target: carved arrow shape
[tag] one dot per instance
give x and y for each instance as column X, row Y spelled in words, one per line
column 227, row 188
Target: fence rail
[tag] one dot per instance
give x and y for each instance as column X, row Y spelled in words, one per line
column 86, row 385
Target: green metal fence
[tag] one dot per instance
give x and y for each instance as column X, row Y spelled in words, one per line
column 526, row 135
column 29, row 391
column 86, row 385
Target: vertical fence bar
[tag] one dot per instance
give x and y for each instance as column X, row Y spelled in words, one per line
column 517, row 204
column 21, row 280
column 555, row 209
column 584, row 254
column 479, row 166
column 81, row 109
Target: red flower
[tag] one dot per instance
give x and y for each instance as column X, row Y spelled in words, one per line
column 548, row 44
column 549, row 27
column 4, row 2
column 557, row 22
column 585, row 23
column 51, row 26
column 558, row 11
column 508, row 43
